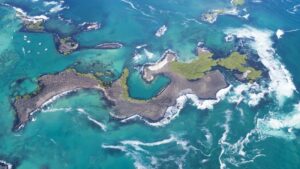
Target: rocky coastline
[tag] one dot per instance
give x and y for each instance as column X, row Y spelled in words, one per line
column 122, row 105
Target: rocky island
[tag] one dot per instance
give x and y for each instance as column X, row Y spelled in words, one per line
column 196, row 77
column 65, row 45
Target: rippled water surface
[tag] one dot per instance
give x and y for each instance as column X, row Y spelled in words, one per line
column 254, row 125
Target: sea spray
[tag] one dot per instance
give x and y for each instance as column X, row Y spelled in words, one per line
column 281, row 80
column 250, row 93
column 278, row 124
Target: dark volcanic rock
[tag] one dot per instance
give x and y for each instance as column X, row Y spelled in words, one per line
column 113, row 45
column 117, row 94
column 66, row 45
column 51, row 86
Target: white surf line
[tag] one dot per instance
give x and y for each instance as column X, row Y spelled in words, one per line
column 173, row 111
column 116, row 147
column 98, row 123
column 281, row 80
column 222, row 142
column 135, row 8
column 101, row 125
column 294, row 9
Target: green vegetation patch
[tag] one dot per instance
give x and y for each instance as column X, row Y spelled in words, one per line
column 195, row 69
column 236, row 61
column 238, row 2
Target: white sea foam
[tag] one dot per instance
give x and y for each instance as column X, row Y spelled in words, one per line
column 49, row 110
column 279, row 33
column 101, row 125
column 9, row 166
column 235, row 153
column 246, row 16
column 222, row 142
column 131, row 4
column 54, row 98
column 137, row 58
column 25, row 17
column 281, row 80
column 294, row 9
column 98, row 123
column 55, row 6
column 141, row 46
column 281, row 125
column 212, row 15
column 249, row 93
column 58, row 8
column 137, row 150
column 149, row 54
column 47, row 3
column 173, row 111
column 121, row 148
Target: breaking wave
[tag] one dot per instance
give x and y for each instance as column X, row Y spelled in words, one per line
column 235, row 153
column 173, row 111
column 143, row 158
column 281, row 80
column 250, row 93
column 280, row 124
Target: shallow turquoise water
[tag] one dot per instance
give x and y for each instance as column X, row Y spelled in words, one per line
column 64, row 134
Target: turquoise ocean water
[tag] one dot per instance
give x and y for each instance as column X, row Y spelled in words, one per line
column 253, row 126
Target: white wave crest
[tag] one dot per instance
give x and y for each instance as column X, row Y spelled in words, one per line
column 54, row 98
column 294, row 9
column 234, row 153
column 279, row 125
column 101, row 125
column 131, row 4
column 250, row 93
column 121, row 148
column 279, row 33
column 281, row 80
column 20, row 13
column 173, row 111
